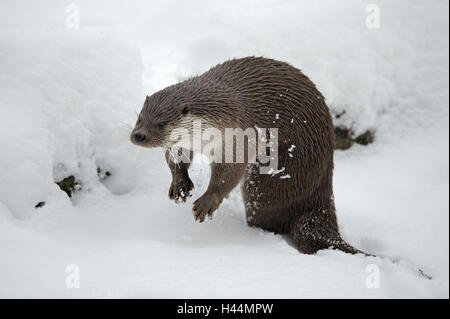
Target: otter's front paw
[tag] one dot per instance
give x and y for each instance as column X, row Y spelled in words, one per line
column 206, row 205
column 181, row 189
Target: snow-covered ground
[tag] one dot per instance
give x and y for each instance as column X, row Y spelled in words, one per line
column 68, row 99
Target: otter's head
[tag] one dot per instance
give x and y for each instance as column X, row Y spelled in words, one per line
column 159, row 116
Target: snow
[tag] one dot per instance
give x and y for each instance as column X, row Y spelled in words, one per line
column 68, row 99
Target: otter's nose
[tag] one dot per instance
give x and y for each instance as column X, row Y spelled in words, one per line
column 139, row 138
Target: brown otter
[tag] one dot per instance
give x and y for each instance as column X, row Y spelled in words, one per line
column 256, row 92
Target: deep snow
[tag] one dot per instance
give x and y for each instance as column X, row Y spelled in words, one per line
column 68, row 99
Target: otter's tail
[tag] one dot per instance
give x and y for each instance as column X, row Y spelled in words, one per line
column 316, row 231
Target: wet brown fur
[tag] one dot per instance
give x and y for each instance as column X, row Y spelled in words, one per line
column 242, row 93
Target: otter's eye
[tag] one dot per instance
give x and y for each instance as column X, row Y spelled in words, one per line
column 161, row 125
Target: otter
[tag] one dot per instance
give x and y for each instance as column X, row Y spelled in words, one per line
column 255, row 92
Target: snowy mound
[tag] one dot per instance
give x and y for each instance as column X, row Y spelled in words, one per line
column 67, row 102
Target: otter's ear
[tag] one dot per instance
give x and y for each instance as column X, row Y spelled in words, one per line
column 184, row 109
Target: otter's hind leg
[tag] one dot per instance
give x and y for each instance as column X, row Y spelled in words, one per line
column 316, row 230
column 263, row 207
column 310, row 231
